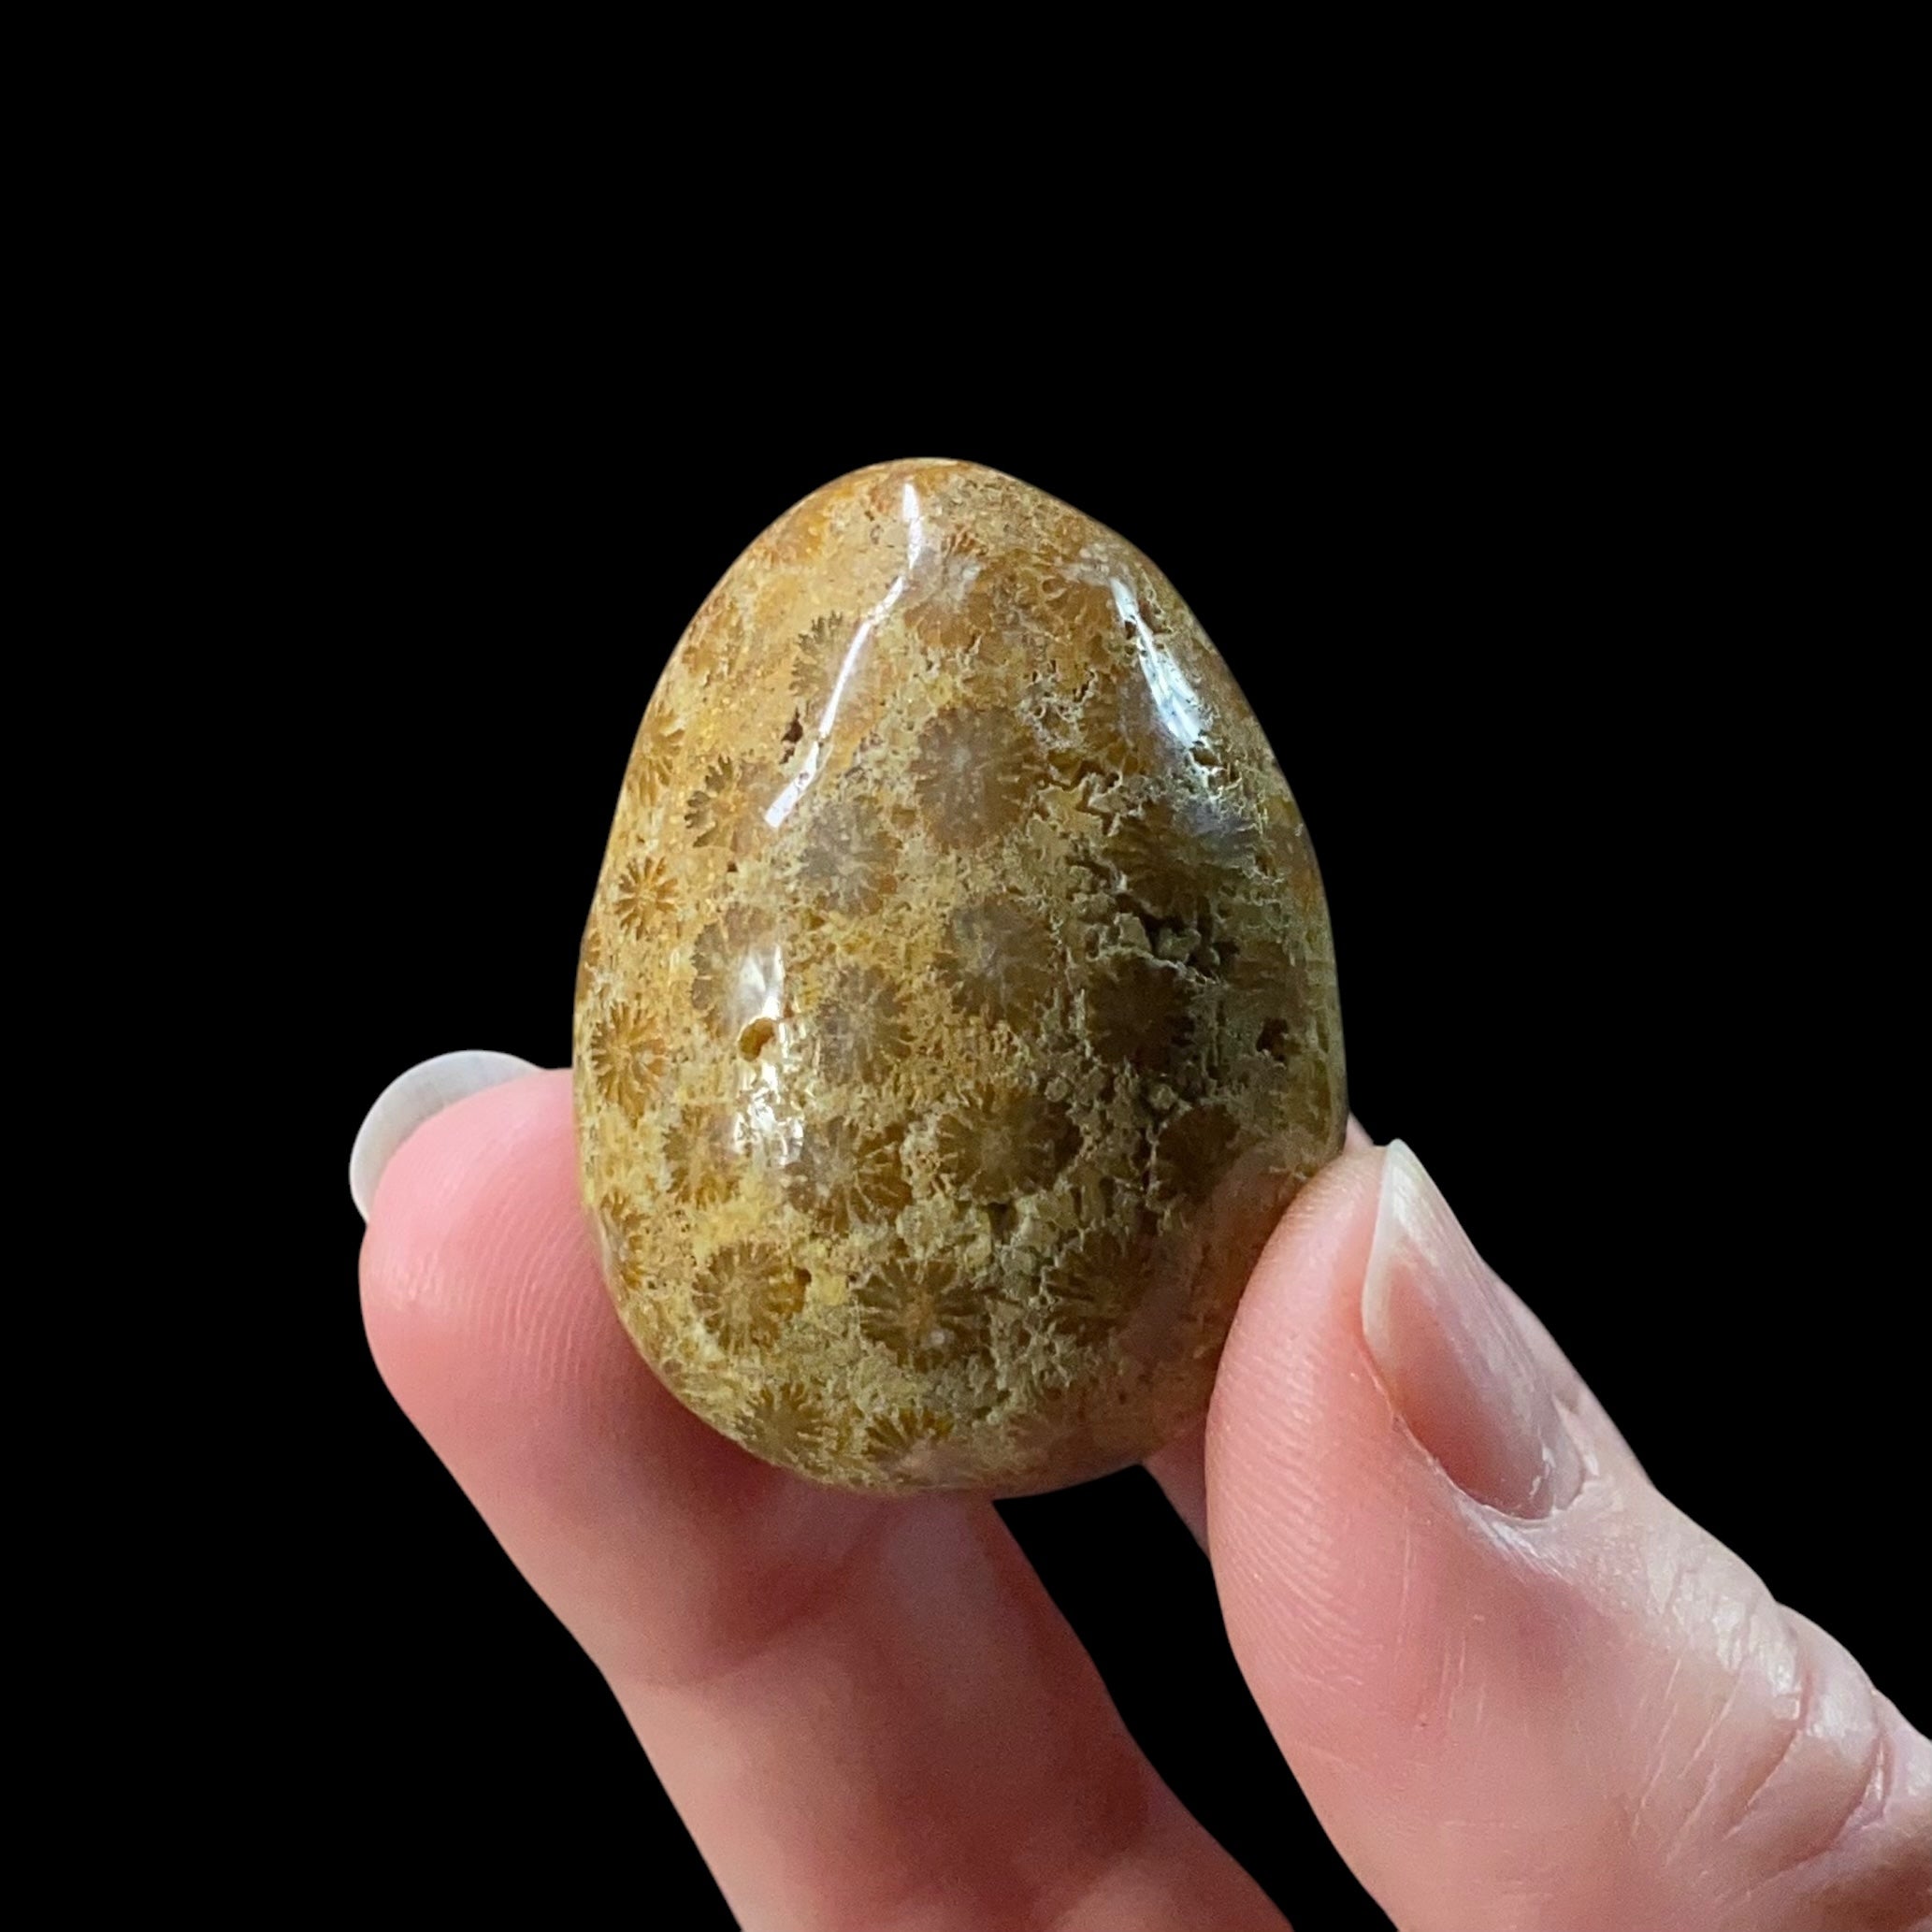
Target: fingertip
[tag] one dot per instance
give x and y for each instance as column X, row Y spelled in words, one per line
column 477, row 1244
column 457, row 1157
column 418, row 1094
column 493, row 1158
column 1349, row 1565
column 1586, row 1709
column 487, row 1314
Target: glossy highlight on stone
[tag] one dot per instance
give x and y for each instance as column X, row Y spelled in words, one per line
column 956, row 1013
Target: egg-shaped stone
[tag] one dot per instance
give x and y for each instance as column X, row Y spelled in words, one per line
column 956, row 1013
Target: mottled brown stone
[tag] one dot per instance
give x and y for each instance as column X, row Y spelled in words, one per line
column 957, row 1014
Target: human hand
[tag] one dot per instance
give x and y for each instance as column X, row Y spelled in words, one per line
column 1518, row 1687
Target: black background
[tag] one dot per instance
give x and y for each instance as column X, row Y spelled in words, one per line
column 1578, row 655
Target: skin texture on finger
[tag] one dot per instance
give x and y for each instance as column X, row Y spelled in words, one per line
column 868, row 1713
column 1597, row 1719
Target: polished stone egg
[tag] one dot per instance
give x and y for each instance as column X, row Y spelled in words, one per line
column 956, row 1013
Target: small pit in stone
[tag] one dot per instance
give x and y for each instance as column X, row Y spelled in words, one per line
column 752, row 1041
column 1277, row 1042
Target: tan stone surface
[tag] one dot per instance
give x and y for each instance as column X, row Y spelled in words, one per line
column 957, row 1012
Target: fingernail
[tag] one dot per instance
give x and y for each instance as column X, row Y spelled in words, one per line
column 1459, row 1369
column 413, row 1098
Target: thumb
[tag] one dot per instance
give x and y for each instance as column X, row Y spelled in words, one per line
column 1520, row 1687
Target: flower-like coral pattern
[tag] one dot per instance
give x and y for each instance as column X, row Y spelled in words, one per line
column 976, row 773
column 922, row 1312
column 1157, row 866
column 644, row 899
column 657, row 755
column 843, row 1176
column 904, row 1432
column 956, row 1013
column 1118, row 730
column 627, row 1057
column 848, row 858
column 1094, row 1286
column 621, row 1226
column 860, row 1026
column 721, row 813
column 1139, row 1011
column 818, row 653
column 787, row 1423
column 737, row 968
column 998, row 1146
column 939, row 601
column 746, row 1293
column 998, row 960
column 701, row 1151
column 1176, row 860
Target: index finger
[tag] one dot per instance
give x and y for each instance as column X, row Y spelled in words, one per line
column 867, row 1712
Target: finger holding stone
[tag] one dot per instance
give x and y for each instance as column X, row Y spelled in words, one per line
column 868, row 1712
column 1181, row 1468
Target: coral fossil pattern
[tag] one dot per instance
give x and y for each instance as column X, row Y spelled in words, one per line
column 957, row 1012
column 700, row 1150
column 976, row 771
column 922, row 1312
column 998, row 962
column 843, row 1177
column 862, row 1035
column 625, row 1054
column 995, row 1146
column 847, row 863
column 645, row 899
column 746, row 1293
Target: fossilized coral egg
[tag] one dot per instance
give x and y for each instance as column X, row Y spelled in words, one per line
column 956, row 1013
